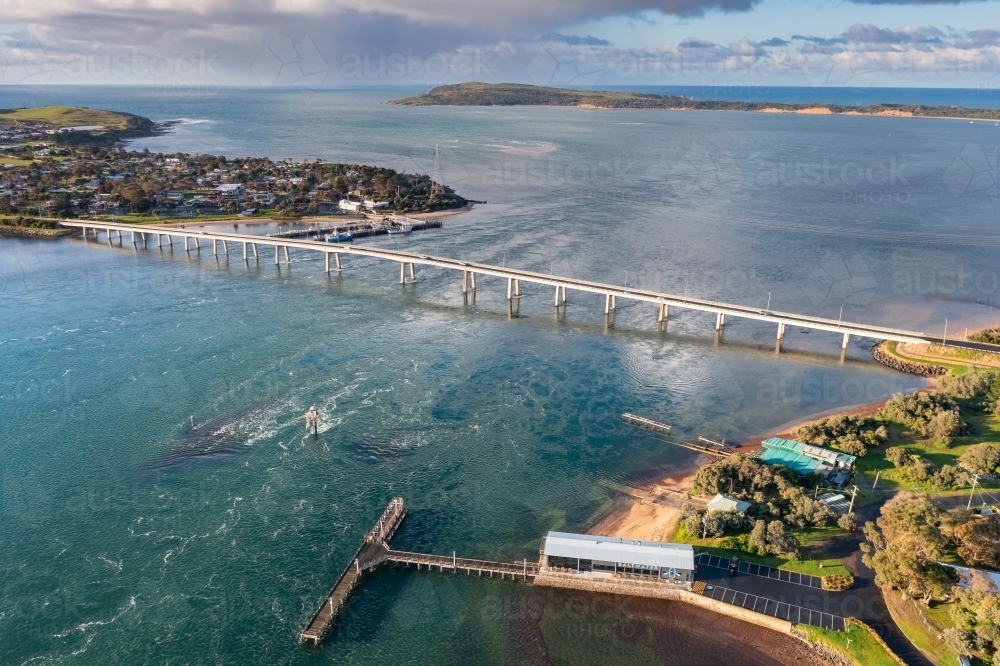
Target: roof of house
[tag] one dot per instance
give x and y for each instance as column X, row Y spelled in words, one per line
column 616, row 549
column 722, row 503
column 802, row 458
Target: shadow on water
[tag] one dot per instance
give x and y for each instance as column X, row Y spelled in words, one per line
column 216, row 437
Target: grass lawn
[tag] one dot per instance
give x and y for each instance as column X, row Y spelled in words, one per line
column 806, row 566
column 15, row 161
column 910, row 619
column 66, row 116
column 986, row 429
column 956, row 368
column 856, row 643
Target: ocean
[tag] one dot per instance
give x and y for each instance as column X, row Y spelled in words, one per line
column 161, row 501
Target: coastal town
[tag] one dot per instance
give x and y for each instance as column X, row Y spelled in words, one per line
column 65, row 172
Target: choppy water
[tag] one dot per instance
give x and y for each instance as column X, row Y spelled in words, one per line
column 161, row 501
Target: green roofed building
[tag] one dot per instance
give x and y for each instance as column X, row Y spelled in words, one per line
column 803, row 459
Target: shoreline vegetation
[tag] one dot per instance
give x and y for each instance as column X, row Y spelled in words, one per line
column 922, row 448
column 515, row 94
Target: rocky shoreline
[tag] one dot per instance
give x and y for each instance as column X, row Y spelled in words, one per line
column 32, row 232
column 882, row 355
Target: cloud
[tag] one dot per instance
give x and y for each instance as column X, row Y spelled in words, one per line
column 574, row 40
column 775, row 41
column 820, row 41
column 866, row 33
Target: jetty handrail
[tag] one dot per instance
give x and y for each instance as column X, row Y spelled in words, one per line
column 387, row 524
column 663, row 299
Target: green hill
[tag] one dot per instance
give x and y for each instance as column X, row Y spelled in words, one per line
column 122, row 125
column 515, row 94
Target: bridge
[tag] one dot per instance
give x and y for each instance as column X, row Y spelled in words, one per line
column 408, row 261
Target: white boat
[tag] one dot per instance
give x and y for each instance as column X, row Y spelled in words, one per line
column 405, row 228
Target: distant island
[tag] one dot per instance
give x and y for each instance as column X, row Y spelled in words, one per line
column 515, row 94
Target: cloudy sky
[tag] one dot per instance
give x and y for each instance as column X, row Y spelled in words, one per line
column 315, row 43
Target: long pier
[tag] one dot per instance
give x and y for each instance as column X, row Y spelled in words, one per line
column 375, row 551
column 141, row 235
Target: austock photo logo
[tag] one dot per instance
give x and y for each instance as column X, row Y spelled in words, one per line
column 974, row 172
column 285, row 63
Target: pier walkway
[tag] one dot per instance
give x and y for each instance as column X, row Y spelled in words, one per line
column 375, row 551
column 523, row 570
column 369, row 555
column 142, row 234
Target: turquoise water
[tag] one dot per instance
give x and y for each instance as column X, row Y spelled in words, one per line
column 162, row 502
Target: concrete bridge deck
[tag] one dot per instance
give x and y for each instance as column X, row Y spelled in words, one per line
column 140, row 234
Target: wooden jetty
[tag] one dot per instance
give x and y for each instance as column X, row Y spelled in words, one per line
column 523, row 570
column 646, row 424
column 370, row 554
column 375, row 551
column 710, row 450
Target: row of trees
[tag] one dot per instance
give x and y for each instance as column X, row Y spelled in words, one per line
column 906, row 546
column 851, row 434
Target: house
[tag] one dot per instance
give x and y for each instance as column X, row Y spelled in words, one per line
column 606, row 557
column 350, row 206
column 229, row 190
column 722, row 503
column 834, row 466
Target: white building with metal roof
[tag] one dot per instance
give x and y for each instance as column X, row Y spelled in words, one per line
column 605, row 557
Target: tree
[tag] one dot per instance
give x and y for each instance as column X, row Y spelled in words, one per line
column 944, row 426
column 917, row 410
column 757, row 540
column 779, row 540
column 848, row 522
column 982, row 458
column 979, row 542
column 904, row 546
column 897, row 455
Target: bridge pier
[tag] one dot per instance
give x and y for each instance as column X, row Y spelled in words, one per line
column 245, row 257
column 215, row 247
column 465, row 281
column 847, row 339
column 607, row 304
column 277, row 254
column 256, row 257
column 557, row 296
column 781, row 330
column 159, row 241
column 336, row 256
column 413, row 272
column 472, row 274
column 225, row 248
column 510, row 283
column 288, row 259
column 402, row 273
column 109, row 237
column 517, row 288
column 327, row 255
